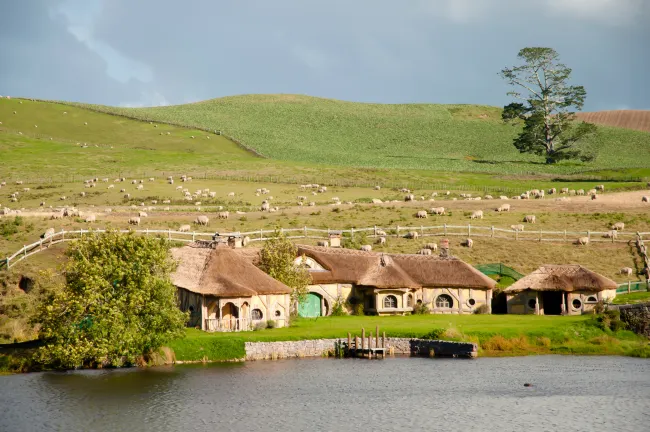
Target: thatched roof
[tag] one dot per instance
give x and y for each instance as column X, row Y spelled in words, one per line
column 393, row 270
column 222, row 272
column 569, row 277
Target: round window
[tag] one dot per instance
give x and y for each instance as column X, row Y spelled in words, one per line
column 532, row 303
column 576, row 303
column 471, row 302
column 278, row 313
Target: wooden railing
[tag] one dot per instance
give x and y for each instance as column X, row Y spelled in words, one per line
column 468, row 231
column 236, row 324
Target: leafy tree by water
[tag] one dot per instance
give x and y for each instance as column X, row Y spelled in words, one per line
column 277, row 258
column 547, row 111
column 117, row 305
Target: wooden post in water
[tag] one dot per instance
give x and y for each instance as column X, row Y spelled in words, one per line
column 377, row 337
column 383, row 340
column 349, row 341
column 363, row 338
column 369, row 345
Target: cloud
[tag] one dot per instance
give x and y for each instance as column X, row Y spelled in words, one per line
column 457, row 11
column 81, row 16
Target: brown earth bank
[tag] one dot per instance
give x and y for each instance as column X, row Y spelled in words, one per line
column 628, row 119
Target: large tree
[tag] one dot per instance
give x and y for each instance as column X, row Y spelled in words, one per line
column 547, row 107
column 277, row 258
column 117, row 304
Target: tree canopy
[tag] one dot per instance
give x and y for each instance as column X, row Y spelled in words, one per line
column 277, row 258
column 116, row 306
column 550, row 128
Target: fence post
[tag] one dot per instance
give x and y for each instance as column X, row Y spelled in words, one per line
column 305, row 231
column 492, row 231
column 445, row 228
column 629, row 286
column 169, row 234
column 540, row 234
column 261, row 234
column 352, row 233
column 469, row 230
column 193, row 236
column 516, row 234
column 397, row 231
column 565, row 235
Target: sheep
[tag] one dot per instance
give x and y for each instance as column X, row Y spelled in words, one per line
column 381, row 233
column 626, row 271
column 376, row 201
column 377, row 187
column 56, row 216
column 366, row 248
column 409, row 197
column 265, row 206
column 202, row 220
column 231, row 194
column 469, row 243
column 42, row 204
column 422, row 214
column 613, row 234
column 478, row 214
column 167, row 201
column 143, row 214
column 108, row 210
column 552, row 191
column 245, row 241
column 140, row 187
column 151, row 179
column 414, row 235
column 223, row 215
column 519, row 227
column 63, row 198
column 539, row 195
column 127, row 196
column 184, row 228
column 618, row 226
column 438, row 210
column 381, row 241
column 424, row 252
column 312, row 204
column 431, row 246
column 122, row 190
column 594, row 197
column 503, row 208
column 582, row 241
column 645, row 199
column 592, row 192
column 488, row 197
column 134, row 182
column 134, row 220
column 530, row 219
column 600, row 188
column 111, row 186
column 564, row 190
column 580, row 192
column 322, row 243
column 48, row 233
column 91, row 218
column 83, row 194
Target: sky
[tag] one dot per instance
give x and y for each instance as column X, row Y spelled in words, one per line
column 162, row 52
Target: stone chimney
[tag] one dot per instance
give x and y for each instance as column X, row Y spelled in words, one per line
column 444, row 248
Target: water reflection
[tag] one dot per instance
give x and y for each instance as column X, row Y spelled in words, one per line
column 568, row 393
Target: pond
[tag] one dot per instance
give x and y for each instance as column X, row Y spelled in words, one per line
column 567, row 393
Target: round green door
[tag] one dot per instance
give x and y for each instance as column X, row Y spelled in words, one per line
column 310, row 308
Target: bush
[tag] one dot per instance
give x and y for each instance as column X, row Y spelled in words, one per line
column 9, row 227
column 260, row 326
column 358, row 310
column 338, row 308
column 610, row 320
column 483, row 309
column 420, row 309
column 270, row 324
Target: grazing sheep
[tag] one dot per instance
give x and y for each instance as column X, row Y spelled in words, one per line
column 611, row 234
column 580, row 192
column 489, row 197
column 438, row 210
column 202, row 220
column 600, row 188
column 645, row 199
column 530, row 219
column 376, row 201
column 366, row 248
column 626, row 271
column 424, row 252
column 127, row 196
column 322, row 243
column 564, row 190
column 231, row 194
column 63, row 198
column 111, row 186
column 184, row 228
column 56, row 216
column 134, row 220
column 583, row 241
column 381, row 233
column 312, row 204
column 552, row 191
column 539, row 195
column 618, row 226
column 381, row 241
column 517, row 227
column 48, row 233
column 478, row 214
column 414, row 235
column 143, row 214
column 140, row 187
column 83, row 194
column 223, row 215
column 594, row 197
column 409, row 197
column 468, row 243
column 91, row 218
column 42, row 204
column 422, row 214
column 377, row 187
column 265, row 206
column 431, row 246
column 503, row 208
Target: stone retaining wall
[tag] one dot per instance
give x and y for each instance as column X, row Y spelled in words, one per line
column 637, row 317
column 325, row 347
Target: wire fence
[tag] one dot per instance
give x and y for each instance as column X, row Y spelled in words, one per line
column 411, row 232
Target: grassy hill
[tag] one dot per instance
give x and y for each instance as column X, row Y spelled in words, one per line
column 415, row 136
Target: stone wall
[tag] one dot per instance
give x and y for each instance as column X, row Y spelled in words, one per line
column 637, row 317
column 325, row 347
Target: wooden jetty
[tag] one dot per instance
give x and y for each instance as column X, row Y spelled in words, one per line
column 363, row 347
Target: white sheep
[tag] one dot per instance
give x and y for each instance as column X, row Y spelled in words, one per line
column 468, row 243
column 202, row 220
column 438, row 210
column 366, row 248
column 381, row 241
column 134, row 220
column 478, row 214
column 223, row 215
column 503, row 208
column 424, row 252
column 519, row 227
column 421, row 214
column 414, row 235
column 530, row 219
column 322, row 243
column 91, row 218
column 143, row 214
column 618, row 226
column 184, row 228
column 582, row 241
column 626, row 271
column 431, row 246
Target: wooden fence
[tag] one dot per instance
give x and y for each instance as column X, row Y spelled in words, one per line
column 466, row 231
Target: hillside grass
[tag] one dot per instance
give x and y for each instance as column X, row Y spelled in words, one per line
column 496, row 335
column 456, row 138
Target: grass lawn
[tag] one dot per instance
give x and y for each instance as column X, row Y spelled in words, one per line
column 496, row 335
column 632, row 298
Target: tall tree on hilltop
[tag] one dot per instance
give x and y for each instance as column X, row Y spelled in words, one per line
column 547, row 111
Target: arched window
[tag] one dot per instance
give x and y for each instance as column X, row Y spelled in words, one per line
column 409, row 300
column 444, row 301
column 256, row 315
column 390, row 302
column 592, row 299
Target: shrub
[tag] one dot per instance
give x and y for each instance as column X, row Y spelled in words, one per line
column 543, row 341
column 420, row 309
column 9, row 227
column 338, row 308
column 435, row 334
column 358, row 309
column 260, row 326
column 270, row 324
column 483, row 309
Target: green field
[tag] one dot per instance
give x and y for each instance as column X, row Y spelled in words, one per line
column 495, row 334
column 303, row 129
